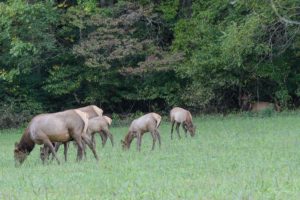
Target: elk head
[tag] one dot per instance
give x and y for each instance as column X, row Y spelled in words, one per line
column 19, row 155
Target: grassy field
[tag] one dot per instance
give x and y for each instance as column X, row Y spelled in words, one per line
column 233, row 157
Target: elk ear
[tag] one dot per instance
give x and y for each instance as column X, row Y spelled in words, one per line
column 16, row 144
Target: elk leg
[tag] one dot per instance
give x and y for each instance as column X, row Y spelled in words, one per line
column 110, row 136
column 78, row 141
column 93, row 140
column 49, row 144
column 103, row 138
column 88, row 141
column 172, row 130
column 43, row 153
column 47, row 153
column 84, row 147
column 139, row 141
column 185, row 129
column 153, row 139
column 65, row 150
column 177, row 130
column 158, row 137
column 56, row 146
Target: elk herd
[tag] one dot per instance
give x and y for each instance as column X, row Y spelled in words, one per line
column 80, row 125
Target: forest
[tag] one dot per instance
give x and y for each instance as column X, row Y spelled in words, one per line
column 141, row 55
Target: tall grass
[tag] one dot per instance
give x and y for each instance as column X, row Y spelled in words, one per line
column 233, row 157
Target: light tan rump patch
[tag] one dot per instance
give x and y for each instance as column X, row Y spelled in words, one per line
column 85, row 119
column 99, row 111
column 157, row 117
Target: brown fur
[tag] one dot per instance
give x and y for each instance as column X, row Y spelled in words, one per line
column 98, row 124
column 91, row 111
column 127, row 140
column 54, row 127
column 146, row 123
column 24, row 147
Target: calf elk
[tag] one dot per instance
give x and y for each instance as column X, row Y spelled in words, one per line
column 101, row 125
column 146, row 123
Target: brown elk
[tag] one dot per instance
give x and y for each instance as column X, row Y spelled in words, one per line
column 54, row 127
column 91, row 111
column 146, row 123
column 184, row 117
column 247, row 105
column 98, row 124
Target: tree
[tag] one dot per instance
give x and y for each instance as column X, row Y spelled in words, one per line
column 236, row 47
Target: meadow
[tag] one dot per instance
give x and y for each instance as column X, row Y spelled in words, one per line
column 232, row 157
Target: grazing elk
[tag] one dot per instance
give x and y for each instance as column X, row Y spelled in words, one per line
column 184, row 117
column 91, row 111
column 54, row 127
column 146, row 123
column 100, row 125
column 97, row 124
column 247, row 105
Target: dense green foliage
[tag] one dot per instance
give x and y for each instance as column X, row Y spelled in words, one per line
column 229, row 158
column 146, row 55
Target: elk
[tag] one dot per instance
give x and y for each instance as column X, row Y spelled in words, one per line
column 97, row 124
column 247, row 105
column 180, row 116
column 91, row 111
column 101, row 125
column 146, row 123
column 54, row 127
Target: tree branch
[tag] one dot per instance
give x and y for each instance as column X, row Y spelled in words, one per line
column 284, row 19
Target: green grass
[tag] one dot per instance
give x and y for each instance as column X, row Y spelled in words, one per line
column 233, row 157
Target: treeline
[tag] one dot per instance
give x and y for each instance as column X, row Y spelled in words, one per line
column 145, row 55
